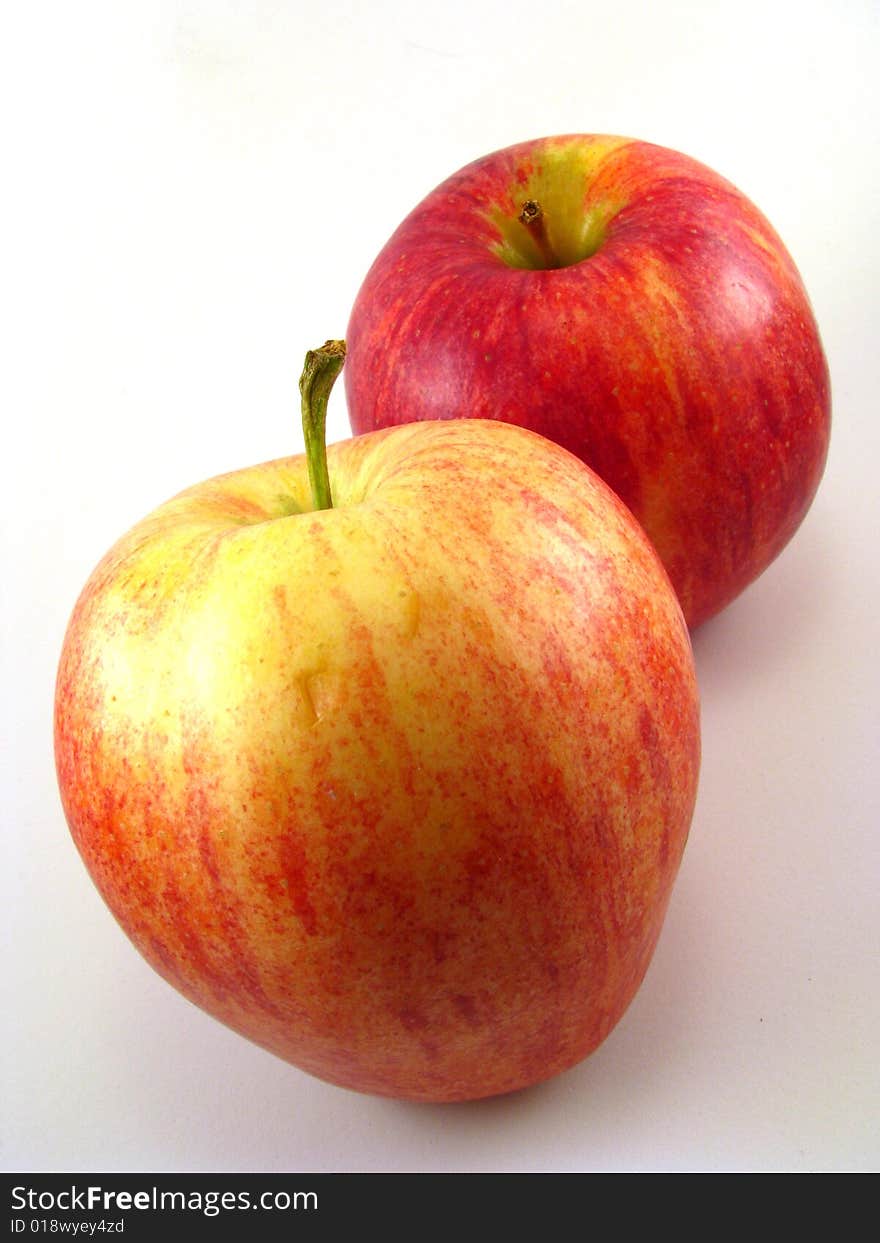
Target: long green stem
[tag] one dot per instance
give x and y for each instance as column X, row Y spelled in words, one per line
column 320, row 370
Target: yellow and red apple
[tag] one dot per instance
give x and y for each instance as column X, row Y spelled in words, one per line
column 398, row 788
column 630, row 304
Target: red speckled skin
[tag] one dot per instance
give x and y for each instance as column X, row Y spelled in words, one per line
column 681, row 361
column 398, row 790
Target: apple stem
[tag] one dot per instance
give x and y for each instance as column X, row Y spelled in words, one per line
column 320, row 370
column 532, row 216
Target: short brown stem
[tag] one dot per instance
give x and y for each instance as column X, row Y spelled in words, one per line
column 532, row 216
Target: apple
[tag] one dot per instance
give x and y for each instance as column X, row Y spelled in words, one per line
column 630, row 304
column 386, row 757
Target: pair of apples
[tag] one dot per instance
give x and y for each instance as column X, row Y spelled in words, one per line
column 386, row 755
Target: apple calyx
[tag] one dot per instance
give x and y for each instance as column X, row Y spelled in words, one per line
column 532, row 217
column 320, row 370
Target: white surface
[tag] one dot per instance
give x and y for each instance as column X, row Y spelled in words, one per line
column 194, row 192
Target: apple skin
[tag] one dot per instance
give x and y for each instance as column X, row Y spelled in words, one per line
column 399, row 789
column 675, row 351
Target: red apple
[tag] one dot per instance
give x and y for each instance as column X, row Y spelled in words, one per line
column 397, row 788
column 630, row 304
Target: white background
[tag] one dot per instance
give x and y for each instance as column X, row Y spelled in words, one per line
column 193, row 193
